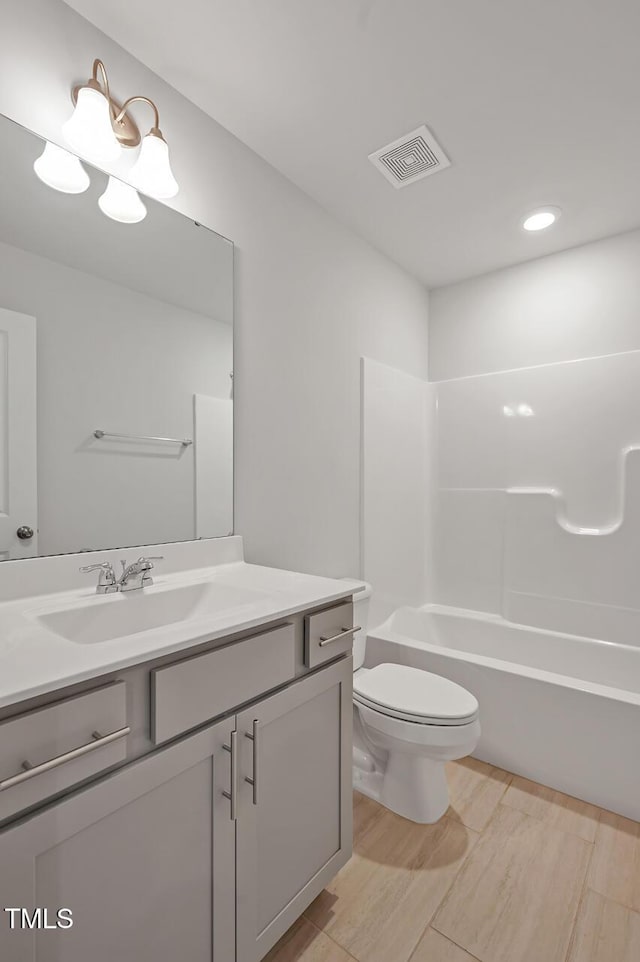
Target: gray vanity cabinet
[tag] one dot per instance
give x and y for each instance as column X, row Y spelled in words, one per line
column 145, row 860
column 294, row 821
column 206, row 850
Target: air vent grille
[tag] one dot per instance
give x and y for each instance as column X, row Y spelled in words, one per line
column 410, row 158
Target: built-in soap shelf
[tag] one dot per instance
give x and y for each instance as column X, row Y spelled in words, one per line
column 561, row 502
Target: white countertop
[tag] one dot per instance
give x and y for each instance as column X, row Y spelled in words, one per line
column 35, row 660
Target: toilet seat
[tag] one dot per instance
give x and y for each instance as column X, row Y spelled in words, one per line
column 414, row 695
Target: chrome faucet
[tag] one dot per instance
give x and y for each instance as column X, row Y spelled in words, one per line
column 135, row 575
column 106, row 579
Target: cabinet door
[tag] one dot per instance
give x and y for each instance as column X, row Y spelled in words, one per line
column 144, row 859
column 294, row 826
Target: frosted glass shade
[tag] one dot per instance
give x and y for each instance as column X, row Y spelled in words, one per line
column 121, row 202
column 152, row 172
column 61, row 170
column 88, row 131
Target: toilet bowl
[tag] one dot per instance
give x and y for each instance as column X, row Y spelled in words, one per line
column 407, row 723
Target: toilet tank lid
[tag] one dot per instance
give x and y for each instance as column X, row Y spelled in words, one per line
column 415, row 692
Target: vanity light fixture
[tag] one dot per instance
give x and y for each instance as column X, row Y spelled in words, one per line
column 90, row 129
column 152, row 172
column 541, row 219
column 122, row 202
column 100, row 127
column 61, row 170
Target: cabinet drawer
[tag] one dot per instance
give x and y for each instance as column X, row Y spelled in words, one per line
column 191, row 692
column 328, row 633
column 47, row 750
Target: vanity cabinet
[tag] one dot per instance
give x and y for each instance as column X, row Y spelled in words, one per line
column 145, row 860
column 206, row 850
column 294, row 822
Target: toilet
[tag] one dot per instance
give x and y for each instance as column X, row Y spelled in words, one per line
column 407, row 723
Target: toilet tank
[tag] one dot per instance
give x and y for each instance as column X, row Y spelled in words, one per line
column 360, row 617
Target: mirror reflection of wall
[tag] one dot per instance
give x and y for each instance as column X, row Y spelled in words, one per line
column 121, row 328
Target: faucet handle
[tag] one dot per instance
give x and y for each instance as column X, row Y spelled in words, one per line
column 102, row 565
column 106, row 578
column 146, row 561
column 146, row 565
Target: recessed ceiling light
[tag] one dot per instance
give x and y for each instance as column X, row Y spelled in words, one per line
column 541, row 219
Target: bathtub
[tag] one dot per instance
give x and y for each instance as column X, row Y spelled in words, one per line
column 559, row 709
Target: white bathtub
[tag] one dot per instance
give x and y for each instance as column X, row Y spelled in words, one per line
column 560, row 709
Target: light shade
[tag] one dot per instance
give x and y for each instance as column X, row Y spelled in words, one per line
column 152, row 172
column 541, row 219
column 61, row 170
column 88, row 131
column 121, row 202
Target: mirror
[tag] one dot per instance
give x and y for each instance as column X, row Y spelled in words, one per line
column 116, row 369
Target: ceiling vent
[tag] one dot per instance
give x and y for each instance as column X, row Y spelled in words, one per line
column 410, row 158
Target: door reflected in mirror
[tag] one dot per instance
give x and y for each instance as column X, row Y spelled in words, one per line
column 116, row 368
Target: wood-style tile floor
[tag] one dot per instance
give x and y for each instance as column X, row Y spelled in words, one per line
column 514, row 872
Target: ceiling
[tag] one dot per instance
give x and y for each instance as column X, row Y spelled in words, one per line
column 534, row 101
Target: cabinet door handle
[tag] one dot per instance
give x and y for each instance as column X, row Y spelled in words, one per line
column 253, row 736
column 30, row 771
column 341, row 634
column 233, row 794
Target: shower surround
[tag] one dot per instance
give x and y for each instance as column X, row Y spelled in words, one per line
column 528, row 506
column 537, row 500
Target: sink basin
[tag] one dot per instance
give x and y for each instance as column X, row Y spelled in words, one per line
column 129, row 613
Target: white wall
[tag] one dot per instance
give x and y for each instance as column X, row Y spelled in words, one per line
column 311, row 297
column 583, row 302
column 114, row 359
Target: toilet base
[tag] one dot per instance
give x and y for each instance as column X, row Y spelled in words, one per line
column 411, row 786
column 368, row 783
column 402, row 765
column 416, row 788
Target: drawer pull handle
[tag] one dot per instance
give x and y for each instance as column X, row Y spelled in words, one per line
column 253, row 736
column 233, row 794
column 30, row 771
column 342, row 634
